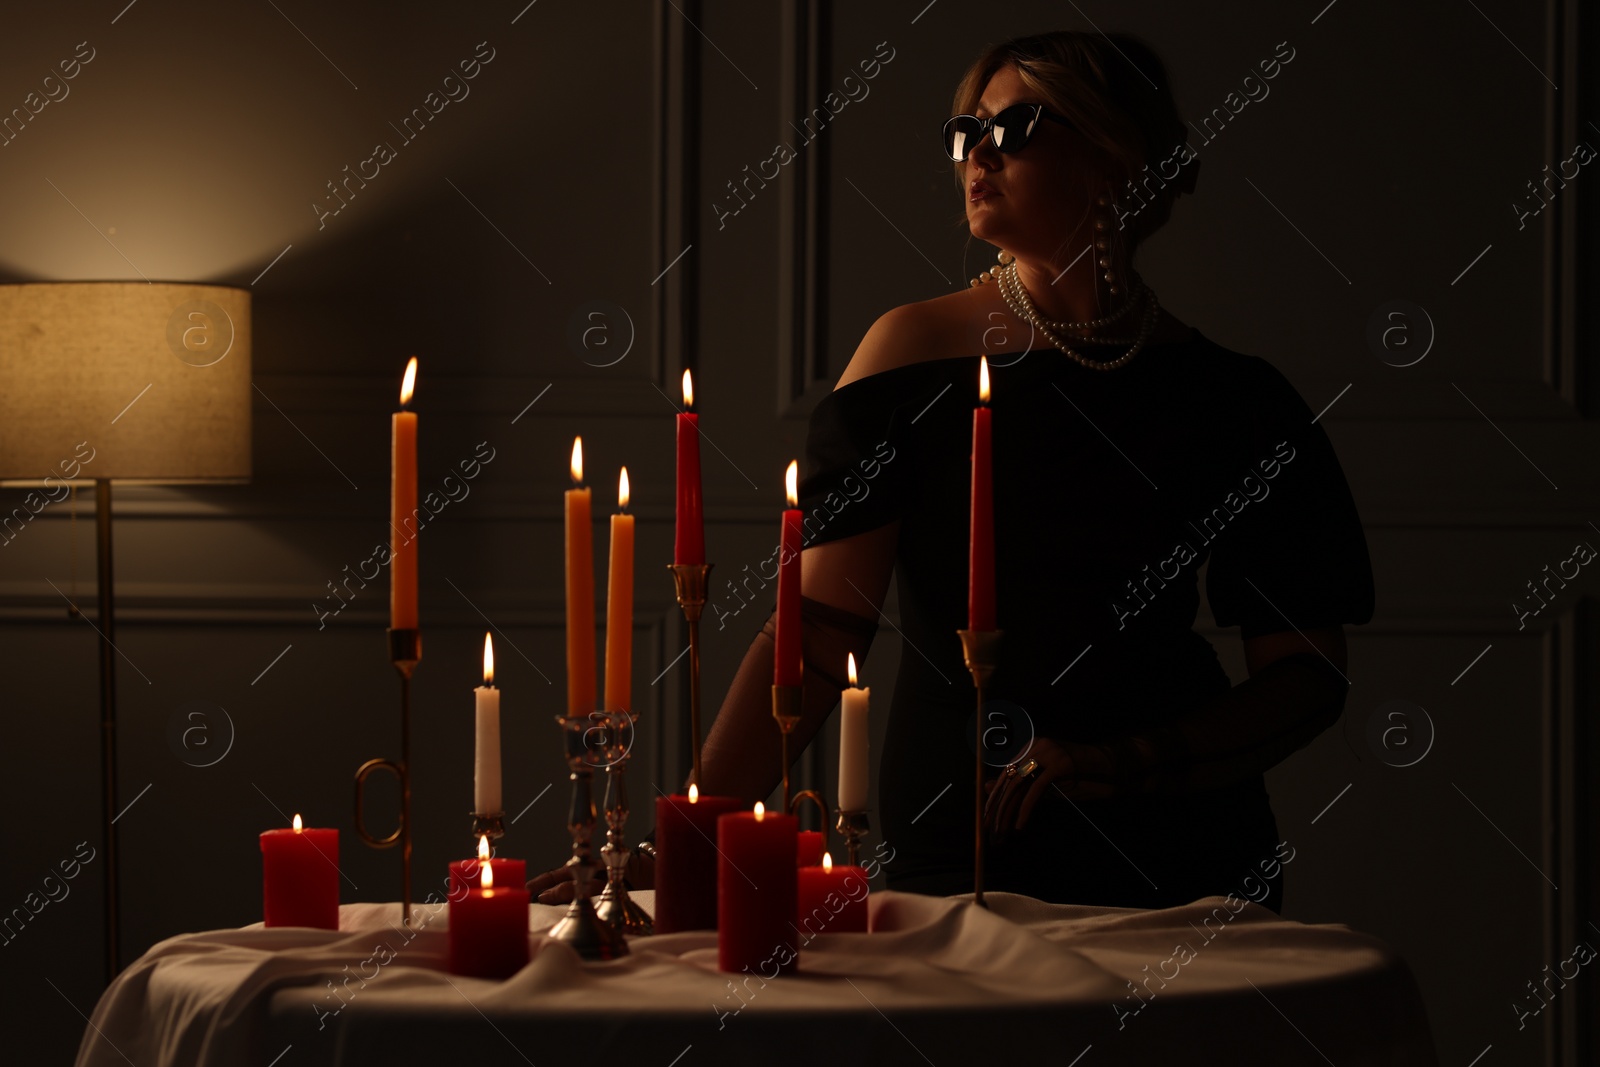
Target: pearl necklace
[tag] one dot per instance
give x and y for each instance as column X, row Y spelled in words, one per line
column 1105, row 320
column 1016, row 298
column 1006, row 259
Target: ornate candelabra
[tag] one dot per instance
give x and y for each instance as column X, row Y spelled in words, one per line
column 689, row 581
column 615, row 908
column 405, row 650
column 981, row 651
column 581, row 927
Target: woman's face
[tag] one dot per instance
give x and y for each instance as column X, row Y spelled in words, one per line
column 1036, row 202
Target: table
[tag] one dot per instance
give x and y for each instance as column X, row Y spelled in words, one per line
column 937, row 981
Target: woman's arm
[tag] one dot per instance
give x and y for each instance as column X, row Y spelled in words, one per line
column 844, row 583
column 1295, row 691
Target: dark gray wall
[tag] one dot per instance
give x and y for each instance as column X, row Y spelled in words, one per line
column 595, row 148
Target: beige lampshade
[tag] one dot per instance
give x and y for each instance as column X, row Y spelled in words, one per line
column 150, row 380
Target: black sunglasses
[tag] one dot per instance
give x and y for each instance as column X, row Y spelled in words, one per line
column 1012, row 127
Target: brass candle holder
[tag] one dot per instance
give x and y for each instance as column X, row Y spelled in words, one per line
column 854, row 826
column 405, row 650
column 689, row 581
column 786, row 709
column 615, row 908
column 580, row 927
column 981, row 651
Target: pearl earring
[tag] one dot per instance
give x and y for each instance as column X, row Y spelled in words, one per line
column 1102, row 244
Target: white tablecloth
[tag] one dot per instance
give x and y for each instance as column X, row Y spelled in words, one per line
column 937, row 981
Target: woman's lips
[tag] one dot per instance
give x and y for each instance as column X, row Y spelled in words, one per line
column 980, row 191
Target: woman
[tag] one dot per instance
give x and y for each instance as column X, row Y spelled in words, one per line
column 1129, row 450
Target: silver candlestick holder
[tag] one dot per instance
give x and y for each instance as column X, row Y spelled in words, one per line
column 615, row 908
column 854, row 826
column 491, row 824
column 580, row 927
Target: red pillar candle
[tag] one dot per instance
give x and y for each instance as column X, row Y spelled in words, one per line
column 464, row 873
column 756, row 892
column 980, row 574
column 686, row 860
column 689, row 546
column 810, row 847
column 489, row 930
column 787, row 664
column 300, row 877
column 831, row 900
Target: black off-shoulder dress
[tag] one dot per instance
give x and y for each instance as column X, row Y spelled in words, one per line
column 1111, row 490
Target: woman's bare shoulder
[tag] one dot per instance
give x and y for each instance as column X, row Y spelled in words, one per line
column 912, row 333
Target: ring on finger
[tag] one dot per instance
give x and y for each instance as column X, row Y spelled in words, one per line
column 1029, row 769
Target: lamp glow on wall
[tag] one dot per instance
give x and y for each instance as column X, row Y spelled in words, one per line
column 132, row 382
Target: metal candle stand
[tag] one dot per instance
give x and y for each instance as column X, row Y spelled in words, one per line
column 405, row 650
column 615, row 908
column 581, row 928
column 854, row 826
column 689, row 581
column 786, row 709
column 981, row 651
column 490, row 824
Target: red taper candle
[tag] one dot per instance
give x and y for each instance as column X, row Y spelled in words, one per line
column 980, row 574
column 787, row 663
column 689, row 544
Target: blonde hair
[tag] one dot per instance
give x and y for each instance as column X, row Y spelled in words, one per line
column 1113, row 89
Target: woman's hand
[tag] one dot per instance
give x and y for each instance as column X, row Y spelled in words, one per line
column 555, row 886
column 1075, row 770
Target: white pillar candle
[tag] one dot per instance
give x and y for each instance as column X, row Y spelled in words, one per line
column 486, row 771
column 853, row 745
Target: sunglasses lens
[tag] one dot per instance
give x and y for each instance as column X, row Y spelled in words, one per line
column 960, row 134
column 1013, row 127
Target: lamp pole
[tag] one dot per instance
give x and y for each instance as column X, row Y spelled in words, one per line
column 108, row 721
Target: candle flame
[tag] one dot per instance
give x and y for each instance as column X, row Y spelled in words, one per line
column 827, row 861
column 483, row 848
column 297, row 822
column 487, row 881
column 488, row 660
column 408, row 384
column 761, row 811
column 622, row 489
column 577, row 461
column 983, row 379
column 688, row 390
column 694, row 793
column 791, row 479
column 851, row 659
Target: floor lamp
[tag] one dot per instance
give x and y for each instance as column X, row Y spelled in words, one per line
column 128, row 382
